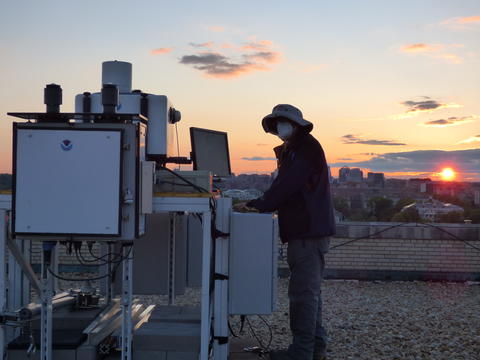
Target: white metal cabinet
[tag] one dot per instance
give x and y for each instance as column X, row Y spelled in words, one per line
column 253, row 264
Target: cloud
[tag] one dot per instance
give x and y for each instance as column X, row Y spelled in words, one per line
column 435, row 51
column 217, row 65
column 345, row 159
column 258, row 158
column 421, row 161
column 468, row 19
column 471, row 139
column 223, row 65
column 160, row 51
column 257, row 45
column 462, row 23
column 450, row 58
column 270, row 57
column 262, row 144
column 451, row 121
column 216, row 28
column 427, row 105
column 207, row 44
column 420, row 48
column 355, row 139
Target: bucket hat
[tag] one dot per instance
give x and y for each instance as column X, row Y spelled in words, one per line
column 288, row 112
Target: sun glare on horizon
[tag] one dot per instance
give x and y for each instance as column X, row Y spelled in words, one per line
column 447, row 174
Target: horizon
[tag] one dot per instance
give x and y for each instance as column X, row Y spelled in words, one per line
column 388, row 89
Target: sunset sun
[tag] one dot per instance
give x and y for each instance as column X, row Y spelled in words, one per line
column 447, row 174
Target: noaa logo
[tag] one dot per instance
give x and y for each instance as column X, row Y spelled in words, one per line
column 66, row 145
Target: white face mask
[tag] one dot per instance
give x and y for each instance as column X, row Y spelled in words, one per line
column 284, row 130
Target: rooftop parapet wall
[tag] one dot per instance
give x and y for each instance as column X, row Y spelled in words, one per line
column 410, row 231
column 404, row 252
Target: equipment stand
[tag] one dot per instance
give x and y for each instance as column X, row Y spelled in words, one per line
column 171, row 259
column 127, row 291
column 46, row 299
column 3, row 241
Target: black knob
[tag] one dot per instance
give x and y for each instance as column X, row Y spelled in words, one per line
column 109, row 98
column 53, row 98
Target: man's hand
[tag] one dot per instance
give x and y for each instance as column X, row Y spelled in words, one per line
column 243, row 208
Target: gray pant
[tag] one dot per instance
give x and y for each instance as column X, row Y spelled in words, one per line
column 306, row 261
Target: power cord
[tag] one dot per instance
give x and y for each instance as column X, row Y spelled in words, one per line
column 264, row 349
column 367, row 236
column 195, row 186
column 452, row 235
column 97, row 277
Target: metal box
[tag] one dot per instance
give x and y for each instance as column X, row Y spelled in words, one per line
column 253, row 264
column 78, row 180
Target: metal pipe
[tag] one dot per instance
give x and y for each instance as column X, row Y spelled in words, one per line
column 33, row 310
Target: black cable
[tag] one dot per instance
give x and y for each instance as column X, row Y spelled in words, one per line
column 254, row 334
column 119, row 256
column 368, row 236
column 403, row 224
column 93, row 278
column 80, row 258
column 269, row 330
column 195, row 186
column 116, row 255
column 452, row 235
column 231, row 330
column 178, row 143
column 173, row 183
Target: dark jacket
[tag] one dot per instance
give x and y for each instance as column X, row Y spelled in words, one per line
column 301, row 190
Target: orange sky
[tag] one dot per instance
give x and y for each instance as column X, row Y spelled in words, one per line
column 379, row 81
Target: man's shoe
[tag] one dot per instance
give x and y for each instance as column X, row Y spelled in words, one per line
column 279, row 355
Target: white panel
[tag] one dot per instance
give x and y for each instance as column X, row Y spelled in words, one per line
column 252, row 274
column 157, row 126
column 67, row 189
column 146, row 189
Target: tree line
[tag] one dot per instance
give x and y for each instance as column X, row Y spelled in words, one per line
column 385, row 209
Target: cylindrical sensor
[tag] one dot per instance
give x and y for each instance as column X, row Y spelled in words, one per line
column 52, row 98
column 109, row 98
column 118, row 72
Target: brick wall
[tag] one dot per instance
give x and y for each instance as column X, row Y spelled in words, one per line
column 407, row 252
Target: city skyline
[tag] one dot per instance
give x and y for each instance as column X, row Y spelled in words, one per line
column 388, row 88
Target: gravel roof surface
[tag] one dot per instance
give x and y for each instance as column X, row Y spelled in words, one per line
column 389, row 320
column 379, row 320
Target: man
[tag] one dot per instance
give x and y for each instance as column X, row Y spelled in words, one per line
column 301, row 195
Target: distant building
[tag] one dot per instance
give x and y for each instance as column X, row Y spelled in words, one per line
column 396, row 183
column 419, row 184
column 376, row 179
column 431, row 209
column 356, row 175
column 476, row 197
column 343, row 174
column 347, row 174
column 248, row 194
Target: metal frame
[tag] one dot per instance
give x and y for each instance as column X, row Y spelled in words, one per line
column 126, row 302
column 3, row 238
column 46, row 320
column 199, row 205
column 221, row 331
